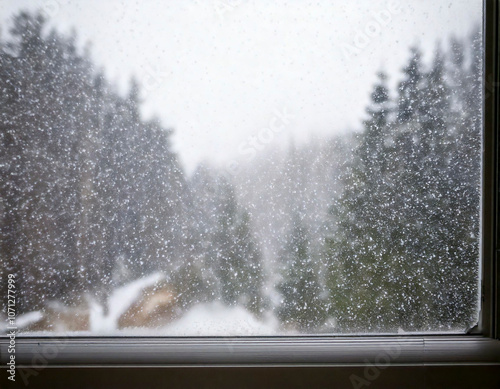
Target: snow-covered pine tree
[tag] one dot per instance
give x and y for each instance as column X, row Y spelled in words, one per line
column 357, row 254
column 302, row 305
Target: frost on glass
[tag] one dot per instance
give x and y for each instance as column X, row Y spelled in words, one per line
column 306, row 173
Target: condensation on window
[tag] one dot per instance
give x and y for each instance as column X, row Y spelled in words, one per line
column 197, row 168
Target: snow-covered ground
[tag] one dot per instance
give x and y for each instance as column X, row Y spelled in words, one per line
column 211, row 319
column 216, row 319
column 207, row 319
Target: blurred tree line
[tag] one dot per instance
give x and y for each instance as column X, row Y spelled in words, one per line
column 92, row 196
column 404, row 245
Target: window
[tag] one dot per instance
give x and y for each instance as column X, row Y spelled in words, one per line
column 229, row 225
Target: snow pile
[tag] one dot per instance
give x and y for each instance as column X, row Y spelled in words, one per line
column 118, row 303
column 25, row 320
column 216, row 319
column 22, row 321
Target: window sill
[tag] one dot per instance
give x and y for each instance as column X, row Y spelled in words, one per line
column 467, row 361
column 276, row 351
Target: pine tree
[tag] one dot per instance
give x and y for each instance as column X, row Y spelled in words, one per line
column 226, row 261
column 238, row 259
column 42, row 120
column 397, row 245
column 250, row 272
column 302, row 306
column 358, row 255
column 86, row 183
column 409, row 95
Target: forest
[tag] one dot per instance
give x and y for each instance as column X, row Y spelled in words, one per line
column 374, row 230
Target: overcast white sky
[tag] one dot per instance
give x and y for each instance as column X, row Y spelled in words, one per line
column 217, row 70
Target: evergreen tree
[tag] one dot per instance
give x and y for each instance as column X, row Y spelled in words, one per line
column 358, row 255
column 409, row 95
column 42, row 121
column 302, row 306
column 397, row 257
column 238, row 258
column 86, row 183
column 227, row 262
column 250, row 272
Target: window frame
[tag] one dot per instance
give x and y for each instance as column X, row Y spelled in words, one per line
column 414, row 360
column 490, row 292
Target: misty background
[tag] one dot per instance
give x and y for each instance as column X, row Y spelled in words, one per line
column 216, row 71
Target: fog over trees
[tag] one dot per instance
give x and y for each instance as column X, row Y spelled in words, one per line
column 375, row 230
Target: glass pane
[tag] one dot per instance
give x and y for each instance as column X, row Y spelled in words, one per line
column 240, row 167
